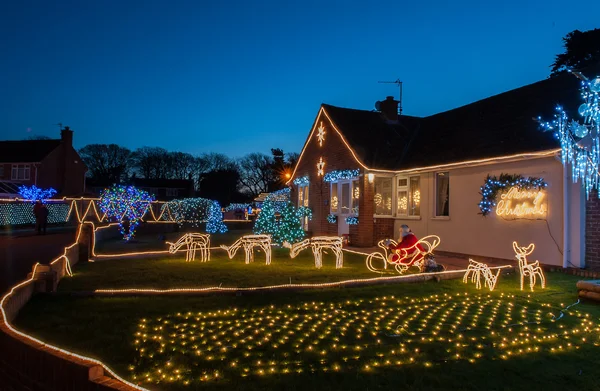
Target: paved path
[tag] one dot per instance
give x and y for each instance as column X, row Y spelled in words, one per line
column 20, row 250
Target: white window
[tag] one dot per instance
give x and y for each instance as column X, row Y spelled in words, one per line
column 303, row 201
column 408, row 196
column 383, row 196
column 355, row 197
column 333, row 199
column 172, row 192
column 20, row 172
column 442, row 194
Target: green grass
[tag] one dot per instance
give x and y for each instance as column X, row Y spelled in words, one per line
column 171, row 271
column 367, row 318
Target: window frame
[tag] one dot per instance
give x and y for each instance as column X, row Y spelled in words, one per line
column 392, row 187
column 435, row 198
column 16, row 168
column 409, row 196
column 304, row 201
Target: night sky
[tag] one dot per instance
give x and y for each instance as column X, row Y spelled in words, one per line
column 239, row 76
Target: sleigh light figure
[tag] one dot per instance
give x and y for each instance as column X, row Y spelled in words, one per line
column 193, row 242
column 318, row 245
column 249, row 242
column 526, row 269
column 477, row 270
column 405, row 258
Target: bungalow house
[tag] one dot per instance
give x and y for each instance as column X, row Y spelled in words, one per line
column 44, row 163
column 366, row 173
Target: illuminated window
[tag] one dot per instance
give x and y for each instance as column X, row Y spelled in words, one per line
column 442, row 194
column 383, row 196
column 20, row 172
column 355, row 197
column 333, row 201
column 408, row 197
column 303, row 201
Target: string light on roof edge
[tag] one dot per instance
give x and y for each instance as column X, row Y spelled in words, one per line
column 579, row 140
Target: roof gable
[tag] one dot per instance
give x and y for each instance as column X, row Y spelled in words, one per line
column 26, row 151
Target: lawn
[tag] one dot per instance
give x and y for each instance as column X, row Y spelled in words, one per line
column 171, row 270
column 441, row 336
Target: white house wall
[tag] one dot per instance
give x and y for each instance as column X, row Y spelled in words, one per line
column 466, row 231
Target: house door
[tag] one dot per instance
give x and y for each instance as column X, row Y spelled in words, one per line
column 344, row 196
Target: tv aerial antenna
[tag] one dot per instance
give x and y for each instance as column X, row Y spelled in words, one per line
column 399, row 84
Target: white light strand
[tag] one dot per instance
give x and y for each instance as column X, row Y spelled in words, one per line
column 526, row 269
column 249, row 242
column 318, row 245
column 193, row 242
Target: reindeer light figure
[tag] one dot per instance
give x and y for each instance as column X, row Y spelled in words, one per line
column 318, row 244
column 193, row 241
column 530, row 270
column 476, row 270
column 249, row 242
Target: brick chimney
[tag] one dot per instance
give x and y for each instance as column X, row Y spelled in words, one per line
column 66, row 135
column 389, row 108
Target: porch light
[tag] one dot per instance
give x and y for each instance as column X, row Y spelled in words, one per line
column 371, row 177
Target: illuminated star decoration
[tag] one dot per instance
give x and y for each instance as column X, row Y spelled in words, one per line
column 321, row 134
column 320, row 167
column 579, row 141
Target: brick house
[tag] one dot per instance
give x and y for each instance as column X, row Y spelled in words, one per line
column 387, row 169
column 44, row 163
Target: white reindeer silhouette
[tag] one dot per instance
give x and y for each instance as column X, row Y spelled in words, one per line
column 528, row 269
column 193, row 241
column 249, row 242
column 318, row 244
column 477, row 270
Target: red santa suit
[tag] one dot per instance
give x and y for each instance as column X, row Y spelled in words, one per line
column 401, row 250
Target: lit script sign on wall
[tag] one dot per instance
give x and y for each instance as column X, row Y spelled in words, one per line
column 517, row 203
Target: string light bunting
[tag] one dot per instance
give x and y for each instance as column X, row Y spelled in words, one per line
column 476, row 270
column 504, row 183
column 336, row 175
column 318, row 245
column 579, row 140
column 126, row 205
column 249, row 242
column 193, row 242
column 527, row 269
column 33, row 193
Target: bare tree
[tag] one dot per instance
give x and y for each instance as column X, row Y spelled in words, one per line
column 108, row 163
column 256, row 173
column 152, row 162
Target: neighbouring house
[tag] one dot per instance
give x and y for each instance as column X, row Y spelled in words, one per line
column 365, row 173
column 161, row 189
column 44, row 163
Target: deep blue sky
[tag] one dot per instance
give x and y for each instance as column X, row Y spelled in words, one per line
column 240, row 76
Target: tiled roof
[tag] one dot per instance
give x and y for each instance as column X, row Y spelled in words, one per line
column 501, row 125
column 26, row 151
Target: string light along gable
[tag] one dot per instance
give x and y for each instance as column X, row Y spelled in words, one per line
column 519, row 196
column 320, row 167
column 302, row 181
column 195, row 211
column 336, row 175
column 193, row 242
column 33, row 193
column 249, row 242
column 125, row 205
column 527, row 269
column 579, row 140
column 321, row 134
column 476, row 270
column 318, row 245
